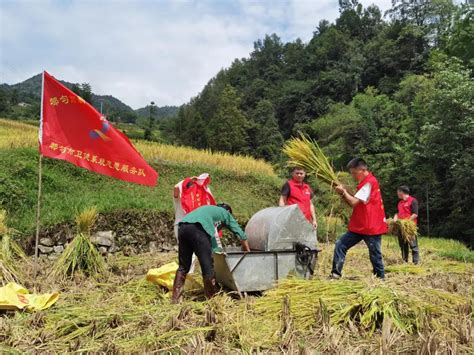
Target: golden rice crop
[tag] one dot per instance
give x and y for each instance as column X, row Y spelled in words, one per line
column 81, row 254
column 306, row 153
column 11, row 254
column 406, row 228
column 85, row 220
column 16, row 135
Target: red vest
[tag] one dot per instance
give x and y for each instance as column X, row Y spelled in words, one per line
column 404, row 209
column 300, row 194
column 369, row 218
column 194, row 195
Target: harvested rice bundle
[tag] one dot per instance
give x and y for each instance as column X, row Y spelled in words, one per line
column 81, row 254
column 408, row 229
column 306, row 153
column 404, row 227
column 11, row 254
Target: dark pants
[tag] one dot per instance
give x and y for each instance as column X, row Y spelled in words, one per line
column 347, row 241
column 406, row 246
column 193, row 239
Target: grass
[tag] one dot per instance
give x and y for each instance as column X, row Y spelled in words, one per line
column 359, row 314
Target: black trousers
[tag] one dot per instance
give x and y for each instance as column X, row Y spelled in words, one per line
column 193, row 239
column 405, row 247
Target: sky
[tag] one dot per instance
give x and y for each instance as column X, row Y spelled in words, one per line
column 143, row 51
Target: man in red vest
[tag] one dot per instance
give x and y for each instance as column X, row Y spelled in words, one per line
column 407, row 209
column 367, row 222
column 296, row 191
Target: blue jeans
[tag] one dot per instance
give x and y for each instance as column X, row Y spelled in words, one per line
column 347, row 241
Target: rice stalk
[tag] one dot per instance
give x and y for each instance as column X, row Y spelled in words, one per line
column 306, row 153
column 81, row 254
column 85, row 220
column 12, row 256
column 406, row 228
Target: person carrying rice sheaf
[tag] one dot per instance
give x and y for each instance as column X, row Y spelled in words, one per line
column 367, row 222
column 407, row 209
column 197, row 233
column 296, row 191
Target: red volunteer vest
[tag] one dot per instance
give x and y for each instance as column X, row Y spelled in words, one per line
column 194, row 195
column 369, row 218
column 404, row 209
column 300, row 194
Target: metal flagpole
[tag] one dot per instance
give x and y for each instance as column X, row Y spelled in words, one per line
column 40, row 175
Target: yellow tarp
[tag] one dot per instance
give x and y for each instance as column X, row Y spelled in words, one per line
column 164, row 276
column 16, row 297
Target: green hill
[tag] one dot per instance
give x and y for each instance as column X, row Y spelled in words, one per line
column 29, row 92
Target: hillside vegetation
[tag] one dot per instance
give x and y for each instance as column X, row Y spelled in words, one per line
column 245, row 183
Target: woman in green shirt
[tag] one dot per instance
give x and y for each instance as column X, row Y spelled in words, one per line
column 198, row 234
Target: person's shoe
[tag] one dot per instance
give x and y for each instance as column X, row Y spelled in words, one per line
column 209, row 286
column 334, row 276
column 178, row 286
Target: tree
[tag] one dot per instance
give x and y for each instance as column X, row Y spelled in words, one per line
column 148, row 133
column 267, row 135
column 86, row 92
column 14, row 100
column 4, row 106
column 228, row 127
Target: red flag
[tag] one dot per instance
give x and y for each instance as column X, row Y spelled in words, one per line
column 71, row 129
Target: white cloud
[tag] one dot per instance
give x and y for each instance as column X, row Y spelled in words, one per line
column 144, row 51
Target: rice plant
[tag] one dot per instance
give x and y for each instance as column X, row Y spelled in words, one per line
column 12, row 256
column 81, row 254
column 16, row 134
column 306, row 153
column 406, row 228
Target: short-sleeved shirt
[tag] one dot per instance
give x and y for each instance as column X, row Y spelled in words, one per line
column 363, row 193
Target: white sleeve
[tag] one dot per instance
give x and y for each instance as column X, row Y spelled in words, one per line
column 364, row 193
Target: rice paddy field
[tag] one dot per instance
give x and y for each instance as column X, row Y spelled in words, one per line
column 14, row 134
column 418, row 309
column 424, row 308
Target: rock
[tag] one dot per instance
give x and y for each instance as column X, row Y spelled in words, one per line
column 58, row 249
column 46, row 242
column 44, row 249
column 53, row 256
column 166, row 247
column 114, row 248
column 153, row 247
column 103, row 250
column 105, row 239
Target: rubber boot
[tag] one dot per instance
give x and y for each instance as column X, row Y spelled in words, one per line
column 178, row 286
column 209, row 286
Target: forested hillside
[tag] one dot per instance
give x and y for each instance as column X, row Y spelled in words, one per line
column 396, row 89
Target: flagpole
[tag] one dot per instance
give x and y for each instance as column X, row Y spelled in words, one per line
column 40, row 182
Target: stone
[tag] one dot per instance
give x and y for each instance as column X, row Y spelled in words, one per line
column 53, row 256
column 114, row 248
column 44, row 249
column 153, row 247
column 105, row 238
column 46, row 242
column 58, row 249
column 103, row 250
